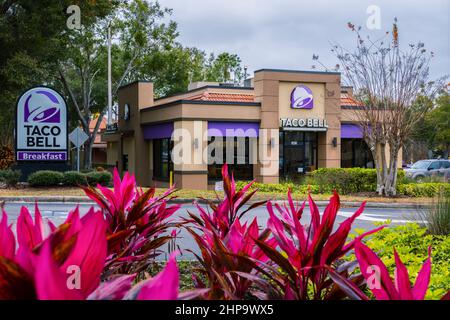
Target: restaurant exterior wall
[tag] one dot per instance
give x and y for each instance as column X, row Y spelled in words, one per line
column 143, row 119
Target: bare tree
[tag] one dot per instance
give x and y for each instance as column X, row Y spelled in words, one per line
column 391, row 83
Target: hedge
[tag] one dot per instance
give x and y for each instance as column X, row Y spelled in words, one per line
column 99, row 177
column 346, row 180
column 410, row 190
column 423, row 189
column 280, row 188
column 10, row 177
column 74, row 178
column 45, row 178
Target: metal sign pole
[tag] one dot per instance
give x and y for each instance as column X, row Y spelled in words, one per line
column 78, row 154
column 78, row 159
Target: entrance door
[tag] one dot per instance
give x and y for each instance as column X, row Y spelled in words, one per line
column 298, row 153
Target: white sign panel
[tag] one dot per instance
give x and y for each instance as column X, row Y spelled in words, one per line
column 41, row 126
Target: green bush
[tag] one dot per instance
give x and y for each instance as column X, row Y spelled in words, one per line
column 10, row 177
column 45, row 178
column 103, row 178
column 74, row 178
column 423, row 189
column 281, row 188
column 411, row 242
column 347, row 180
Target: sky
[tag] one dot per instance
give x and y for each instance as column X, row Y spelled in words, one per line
column 284, row 34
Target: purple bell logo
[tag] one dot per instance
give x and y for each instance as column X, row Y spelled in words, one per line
column 42, row 107
column 302, row 98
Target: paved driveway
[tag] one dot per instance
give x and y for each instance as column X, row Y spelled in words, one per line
column 57, row 212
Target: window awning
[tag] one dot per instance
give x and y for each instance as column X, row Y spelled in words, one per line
column 351, row 131
column 158, row 131
column 233, row 129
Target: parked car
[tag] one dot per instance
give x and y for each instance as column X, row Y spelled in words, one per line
column 428, row 168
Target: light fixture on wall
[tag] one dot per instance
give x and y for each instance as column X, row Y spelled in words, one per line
column 334, row 142
column 272, row 143
column 196, row 143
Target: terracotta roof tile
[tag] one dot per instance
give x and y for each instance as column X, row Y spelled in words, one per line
column 226, row 97
column 346, row 99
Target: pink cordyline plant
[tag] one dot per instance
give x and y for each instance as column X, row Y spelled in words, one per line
column 380, row 282
column 229, row 256
column 68, row 263
column 300, row 269
column 138, row 222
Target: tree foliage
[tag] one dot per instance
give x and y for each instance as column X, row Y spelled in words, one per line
column 38, row 48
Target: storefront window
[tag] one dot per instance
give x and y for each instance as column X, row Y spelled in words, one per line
column 162, row 163
column 355, row 153
column 235, row 152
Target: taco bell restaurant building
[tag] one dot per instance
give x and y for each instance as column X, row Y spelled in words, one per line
column 280, row 125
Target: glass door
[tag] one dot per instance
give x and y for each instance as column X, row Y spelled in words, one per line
column 298, row 153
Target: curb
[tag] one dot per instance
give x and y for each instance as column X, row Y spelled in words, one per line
column 82, row 199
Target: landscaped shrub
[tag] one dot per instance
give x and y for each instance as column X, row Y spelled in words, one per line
column 74, row 178
column 45, row 178
column 411, row 242
column 281, row 188
column 345, row 181
column 138, row 224
column 226, row 244
column 437, row 217
column 10, row 177
column 44, row 265
column 103, row 178
column 423, row 189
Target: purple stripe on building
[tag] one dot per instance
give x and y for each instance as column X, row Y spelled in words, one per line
column 233, row 129
column 158, row 131
column 41, row 156
column 351, row 131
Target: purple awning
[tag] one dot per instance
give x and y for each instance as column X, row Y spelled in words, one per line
column 351, row 131
column 158, row 131
column 233, row 129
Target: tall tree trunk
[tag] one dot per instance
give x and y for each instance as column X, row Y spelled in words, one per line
column 391, row 178
column 383, row 169
column 88, row 153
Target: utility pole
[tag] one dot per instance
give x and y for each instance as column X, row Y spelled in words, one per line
column 109, row 78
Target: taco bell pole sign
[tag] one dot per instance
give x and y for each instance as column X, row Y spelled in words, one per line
column 41, row 126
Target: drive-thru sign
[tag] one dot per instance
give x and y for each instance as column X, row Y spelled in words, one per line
column 78, row 137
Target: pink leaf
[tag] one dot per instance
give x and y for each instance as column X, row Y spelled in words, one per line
column 7, row 239
column 163, row 286
column 402, row 279
column 423, row 279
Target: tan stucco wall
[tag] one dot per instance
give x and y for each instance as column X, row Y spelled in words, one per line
column 137, row 95
column 129, row 149
column 200, row 112
column 112, row 153
column 284, row 101
column 273, row 90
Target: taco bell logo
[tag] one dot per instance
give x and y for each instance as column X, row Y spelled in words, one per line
column 41, row 126
column 302, row 98
column 43, row 107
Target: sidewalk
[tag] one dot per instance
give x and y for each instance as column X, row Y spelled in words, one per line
column 84, row 199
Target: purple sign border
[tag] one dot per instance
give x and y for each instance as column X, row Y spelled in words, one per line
column 20, row 155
